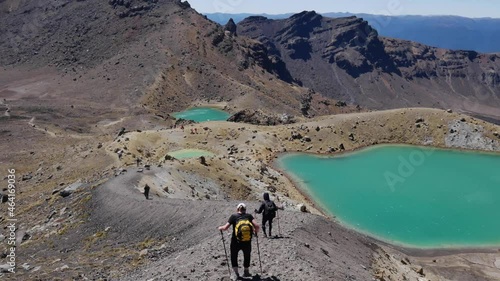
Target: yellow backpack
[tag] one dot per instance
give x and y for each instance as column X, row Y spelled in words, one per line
column 243, row 230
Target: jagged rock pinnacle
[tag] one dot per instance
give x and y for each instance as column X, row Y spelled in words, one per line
column 231, row 27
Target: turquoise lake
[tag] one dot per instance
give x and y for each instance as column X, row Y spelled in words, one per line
column 405, row 195
column 203, row 114
column 190, row 153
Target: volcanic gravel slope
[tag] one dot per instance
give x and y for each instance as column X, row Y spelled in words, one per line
column 311, row 246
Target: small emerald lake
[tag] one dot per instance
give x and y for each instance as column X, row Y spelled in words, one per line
column 202, row 114
column 405, row 195
column 190, row 153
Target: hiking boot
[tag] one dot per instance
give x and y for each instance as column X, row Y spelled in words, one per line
column 246, row 273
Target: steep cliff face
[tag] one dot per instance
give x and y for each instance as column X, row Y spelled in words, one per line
column 345, row 58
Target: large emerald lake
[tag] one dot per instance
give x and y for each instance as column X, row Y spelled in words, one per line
column 202, row 114
column 405, row 195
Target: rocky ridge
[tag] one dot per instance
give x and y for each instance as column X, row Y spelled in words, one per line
column 345, row 58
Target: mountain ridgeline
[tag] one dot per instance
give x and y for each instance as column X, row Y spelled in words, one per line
column 346, row 59
column 448, row 32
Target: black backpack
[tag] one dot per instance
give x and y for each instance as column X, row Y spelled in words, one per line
column 269, row 209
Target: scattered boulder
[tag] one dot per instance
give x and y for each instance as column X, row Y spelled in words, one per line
column 143, row 253
column 4, row 197
column 70, row 189
column 26, row 237
column 325, row 252
column 271, row 189
column 296, row 136
column 303, row 208
column 121, row 132
column 341, row 146
column 351, row 136
column 183, row 122
column 26, row 266
column 341, row 104
column 203, row 161
column 65, row 193
column 232, row 150
column 263, row 168
column 4, row 268
column 169, row 158
column 64, row 267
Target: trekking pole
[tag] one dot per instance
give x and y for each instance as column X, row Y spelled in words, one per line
column 225, row 251
column 258, row 251
column 278, row 216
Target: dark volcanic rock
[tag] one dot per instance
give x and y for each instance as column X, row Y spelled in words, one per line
column 258, row 54
column 260, row 118
column 132, row 8
column 346, row 59
column 295, row 35
column 231, row 27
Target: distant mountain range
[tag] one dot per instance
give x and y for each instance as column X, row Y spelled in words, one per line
column 449, row 32
column 346, row 59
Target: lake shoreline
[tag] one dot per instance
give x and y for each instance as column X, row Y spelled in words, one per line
column 198, row 114
column 421, row 251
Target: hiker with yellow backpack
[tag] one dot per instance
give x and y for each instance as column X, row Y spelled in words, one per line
column 244, row 227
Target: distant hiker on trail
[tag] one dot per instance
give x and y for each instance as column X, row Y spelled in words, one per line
column 146, row 191
column 269, row 212
column 244, row 227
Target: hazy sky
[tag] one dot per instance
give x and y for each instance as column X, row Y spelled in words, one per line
column 467, row 8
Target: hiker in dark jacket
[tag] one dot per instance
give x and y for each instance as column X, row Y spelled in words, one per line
column 241, row 238
column 146, row 191
column 268, row 208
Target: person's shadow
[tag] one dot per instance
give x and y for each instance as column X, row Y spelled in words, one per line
column 259, row 278
column 256, row 277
